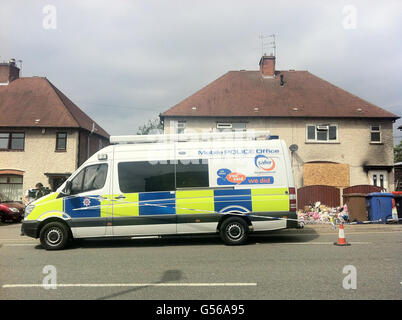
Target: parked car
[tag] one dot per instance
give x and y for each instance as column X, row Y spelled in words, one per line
column 11, row 210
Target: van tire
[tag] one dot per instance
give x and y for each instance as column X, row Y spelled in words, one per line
column 54, row 236
column 234, row 231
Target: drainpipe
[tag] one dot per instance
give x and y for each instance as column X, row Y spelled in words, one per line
column 88, row 138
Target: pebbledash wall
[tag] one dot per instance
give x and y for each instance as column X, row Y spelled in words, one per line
column 352, row 148
column 40, row 156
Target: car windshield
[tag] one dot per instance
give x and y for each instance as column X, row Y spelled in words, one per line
column 4, row 198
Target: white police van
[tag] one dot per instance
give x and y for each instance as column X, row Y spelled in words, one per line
column 226, row 183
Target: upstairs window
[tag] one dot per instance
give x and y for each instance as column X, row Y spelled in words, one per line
column 61, row 141
column 12, row 140
column 375, row 133
column 231, row 126
column 322, row 133
column 181, row 126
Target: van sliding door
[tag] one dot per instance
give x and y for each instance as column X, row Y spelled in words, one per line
column 143, row 199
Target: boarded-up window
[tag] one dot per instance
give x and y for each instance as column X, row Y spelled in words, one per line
column 329, row 174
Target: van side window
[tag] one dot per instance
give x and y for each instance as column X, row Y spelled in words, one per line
column 145, row 176
column 90, row 178
column 192, row 173
column 76, row 183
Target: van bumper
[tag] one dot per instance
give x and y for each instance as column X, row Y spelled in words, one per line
column 30, row 228
column 289, row 218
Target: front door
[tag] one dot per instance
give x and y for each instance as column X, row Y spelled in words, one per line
column 88, row 204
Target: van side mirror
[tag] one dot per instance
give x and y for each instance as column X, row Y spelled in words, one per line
column 67, row 188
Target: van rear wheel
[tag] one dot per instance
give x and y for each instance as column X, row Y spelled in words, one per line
column 54, row 236
column 234, row 231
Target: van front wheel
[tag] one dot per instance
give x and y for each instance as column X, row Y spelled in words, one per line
column 54, row 236
column 234, row 231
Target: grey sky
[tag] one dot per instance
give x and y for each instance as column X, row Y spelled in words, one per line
column 124, row 62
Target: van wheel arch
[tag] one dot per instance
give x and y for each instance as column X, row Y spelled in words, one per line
column 234, row 214
column 54, row 219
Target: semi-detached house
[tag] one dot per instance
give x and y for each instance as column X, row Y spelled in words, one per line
column 44, row 136
column 341, row 139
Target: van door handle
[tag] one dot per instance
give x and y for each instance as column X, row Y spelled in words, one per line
column 120, row 197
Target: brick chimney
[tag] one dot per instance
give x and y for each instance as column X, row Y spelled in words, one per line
column 267, row 66
column 8, row 72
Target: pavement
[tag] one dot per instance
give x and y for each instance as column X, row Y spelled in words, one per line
column 280, row 265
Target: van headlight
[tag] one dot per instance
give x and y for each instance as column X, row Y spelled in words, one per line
column 29, row 209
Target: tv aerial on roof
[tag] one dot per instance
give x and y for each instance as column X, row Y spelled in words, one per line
column 271, row 43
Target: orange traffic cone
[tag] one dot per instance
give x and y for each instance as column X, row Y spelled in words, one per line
column 341, row 237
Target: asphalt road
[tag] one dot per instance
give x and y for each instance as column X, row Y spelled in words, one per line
column 288, row 264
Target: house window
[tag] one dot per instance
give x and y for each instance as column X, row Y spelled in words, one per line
column 231, row 126
column 11, row 187
column 322, row 133
column 12, row 140
column 181, row 126
column 378, row 178
column 375, row 133
column 61, row 141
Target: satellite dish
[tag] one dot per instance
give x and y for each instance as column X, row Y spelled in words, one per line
column 293, row 147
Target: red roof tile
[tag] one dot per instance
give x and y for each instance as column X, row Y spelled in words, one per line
column 26, row 100
column 239, row 93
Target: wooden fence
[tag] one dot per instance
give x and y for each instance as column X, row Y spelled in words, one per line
column 329, row 196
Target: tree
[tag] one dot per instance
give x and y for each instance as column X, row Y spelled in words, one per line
column 151, row 127
column 398, row 153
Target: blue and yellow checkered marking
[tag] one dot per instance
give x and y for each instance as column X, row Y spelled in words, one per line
column 153, row 203
column 82, row 207
column 229, row 200
column 169, row 203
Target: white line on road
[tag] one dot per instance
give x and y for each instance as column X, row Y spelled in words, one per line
column 277, row 243
column 325, row 233
column 19, row 244
column 90, row 285
column 316, row 242
column 13, row 239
